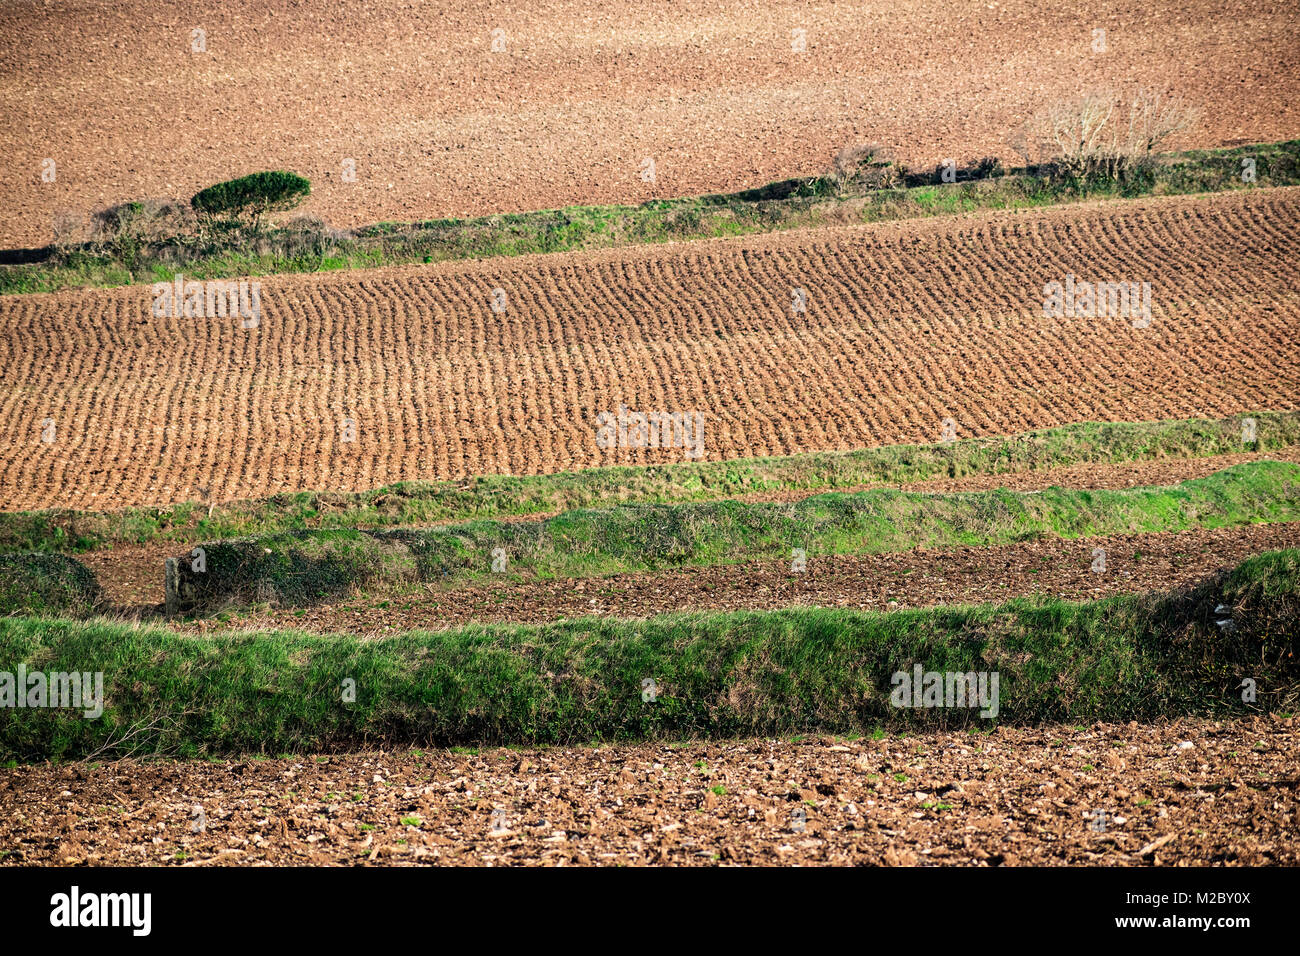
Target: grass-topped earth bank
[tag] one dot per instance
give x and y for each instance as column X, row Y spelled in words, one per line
column 414, row 503
column 1135, row 657
column 294, row 569
column 153, row 240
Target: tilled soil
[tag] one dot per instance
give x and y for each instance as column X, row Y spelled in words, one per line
column 579, row 94
column 1191, row 792
column 355, row 380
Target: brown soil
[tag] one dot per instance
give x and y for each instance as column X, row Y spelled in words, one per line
column 439, row 125
column 1013, row 797
column 907, row 325
column 878, row 582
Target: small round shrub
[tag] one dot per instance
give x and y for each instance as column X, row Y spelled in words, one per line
column 251, row 197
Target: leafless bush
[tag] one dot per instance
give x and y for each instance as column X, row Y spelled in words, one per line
column 144, row 220
column 866, row 165
column 137, row 234
column 70, row 231
column 985, row 167
column 1103, row 135
column 1154, row 118
column 306, row 235
column 1078, row 132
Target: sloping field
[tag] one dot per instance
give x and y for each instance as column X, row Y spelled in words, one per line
column 579, row 94
column 905, row 326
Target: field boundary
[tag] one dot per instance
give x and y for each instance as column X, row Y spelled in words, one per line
column 684, row 676
column 805, row 202
column 416, row 503
column 299, row 569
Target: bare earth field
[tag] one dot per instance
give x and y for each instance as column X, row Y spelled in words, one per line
column 1177, row 794
column 906, row 324
column 582, row 93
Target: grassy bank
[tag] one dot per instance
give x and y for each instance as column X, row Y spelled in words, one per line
column 299, row 568
column 47, row 584
column 795, row 203
column 1136, row 657
column 491, row 496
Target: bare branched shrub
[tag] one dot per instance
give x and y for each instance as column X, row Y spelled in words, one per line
column 1020, row 144
column 1076, row 132
column 144, row 220
column 986, row 167
column 70, row 231
column 306, row 235
column 1102, row 136
column 1154, row 118
column 848, row 159
column 866, row 165
column 137, row 234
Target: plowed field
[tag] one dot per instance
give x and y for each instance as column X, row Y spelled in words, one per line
column 906, row 325
column 578, row 94
column 1188, row 792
